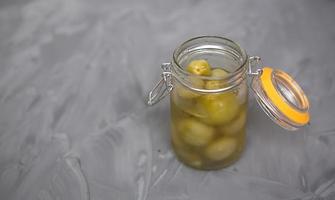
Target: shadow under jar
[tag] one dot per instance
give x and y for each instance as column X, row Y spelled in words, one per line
column 207, row 83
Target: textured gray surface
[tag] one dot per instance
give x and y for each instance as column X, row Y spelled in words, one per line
column 74, row 75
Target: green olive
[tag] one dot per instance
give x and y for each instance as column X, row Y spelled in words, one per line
column 220, row 108
column 235, row 126
column 195, row 133
column 221, row 149
column 199, row 67
column 187, row 93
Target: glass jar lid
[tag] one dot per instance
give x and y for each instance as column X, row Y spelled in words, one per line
column 281, row 98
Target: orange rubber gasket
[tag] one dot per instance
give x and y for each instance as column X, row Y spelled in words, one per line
column 291, row 113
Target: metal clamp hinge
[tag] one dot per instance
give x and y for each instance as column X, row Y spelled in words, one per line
column 163, row 87
column 255, row 61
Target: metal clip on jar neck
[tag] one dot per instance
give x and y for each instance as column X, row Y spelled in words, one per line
column 255, row 61
column 163, row 87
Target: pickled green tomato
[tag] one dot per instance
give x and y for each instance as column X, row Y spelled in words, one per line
column 195, row 133
column 235, row 126
column 199, row 67
column 187, row 106
column 196, row 67
column 210, row 85
column 219, row 73
column 183, row 152
column 216, row 84
column 242, row 95
column 174, row 137
column 220, row 108
column 221, row 149
column 191, row 159
column 187, row 93
column 186, row 101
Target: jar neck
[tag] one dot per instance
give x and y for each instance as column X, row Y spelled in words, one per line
column 219, row 52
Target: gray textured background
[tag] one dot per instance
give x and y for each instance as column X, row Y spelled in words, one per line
column 74, row 75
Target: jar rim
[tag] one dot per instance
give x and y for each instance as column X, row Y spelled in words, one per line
column 239, row 71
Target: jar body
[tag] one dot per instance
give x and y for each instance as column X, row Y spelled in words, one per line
column 208, row 129
column 200, row 137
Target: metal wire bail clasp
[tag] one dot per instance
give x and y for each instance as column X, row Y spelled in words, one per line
column 255, row 61
column 163, row 87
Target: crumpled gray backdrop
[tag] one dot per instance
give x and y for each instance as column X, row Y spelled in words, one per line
column 73, row 80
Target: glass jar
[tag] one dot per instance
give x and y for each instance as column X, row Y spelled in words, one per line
column 207, row 83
